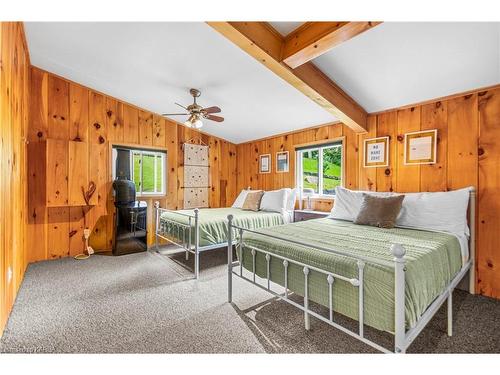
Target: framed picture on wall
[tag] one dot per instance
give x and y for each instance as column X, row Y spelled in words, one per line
column 376, row 152
column 265, row 163
column 282, row 161
column 420, row 147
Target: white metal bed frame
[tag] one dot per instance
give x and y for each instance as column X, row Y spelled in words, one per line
column 403, row 338
column 184, row 235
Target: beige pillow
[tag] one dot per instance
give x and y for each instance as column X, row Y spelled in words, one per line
column 252, row 201
column 379, row 211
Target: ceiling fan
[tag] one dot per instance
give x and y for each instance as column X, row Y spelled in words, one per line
column 197, row 113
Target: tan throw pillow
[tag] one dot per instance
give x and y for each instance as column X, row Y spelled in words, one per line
column 379, row 211
column 252, row 201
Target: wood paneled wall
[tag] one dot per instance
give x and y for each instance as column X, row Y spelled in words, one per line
column 468, row 154
column 248, row 159
column 64, row 111
column 14, row 81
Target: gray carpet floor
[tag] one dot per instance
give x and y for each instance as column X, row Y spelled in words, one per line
column 148, row 303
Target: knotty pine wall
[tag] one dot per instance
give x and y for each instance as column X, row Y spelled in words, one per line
column 14, row 86
column 64, row 110
column 468, row 154
column 248, row 159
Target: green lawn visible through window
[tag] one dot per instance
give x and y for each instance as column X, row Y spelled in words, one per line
column 137, row 171
column 159, row 172
column 148, row 172
column 332, row 170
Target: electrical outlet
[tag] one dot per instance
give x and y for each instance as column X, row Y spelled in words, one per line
column 86, row 233
column 9, row 275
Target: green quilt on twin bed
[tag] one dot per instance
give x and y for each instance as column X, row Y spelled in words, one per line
column 213, row 223
column 433, row 259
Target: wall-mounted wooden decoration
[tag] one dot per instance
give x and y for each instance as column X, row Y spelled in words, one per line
column 376, row 152
column 420, row 147
column 196, row 175
column 78, row 176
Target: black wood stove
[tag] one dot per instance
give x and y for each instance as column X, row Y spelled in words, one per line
column 130, row 219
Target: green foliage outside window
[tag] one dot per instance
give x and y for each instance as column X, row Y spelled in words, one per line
column 332, row 169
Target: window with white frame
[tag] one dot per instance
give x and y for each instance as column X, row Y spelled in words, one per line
column 319, row 168
column 146, row 168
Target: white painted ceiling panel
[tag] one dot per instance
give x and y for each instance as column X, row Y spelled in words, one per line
column 153, row 65
column 396, row 64
column 285, row 28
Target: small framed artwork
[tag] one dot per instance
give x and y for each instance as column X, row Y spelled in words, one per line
column 376, row 152
column 265, row 163
column 420, row 147
column 282, row 161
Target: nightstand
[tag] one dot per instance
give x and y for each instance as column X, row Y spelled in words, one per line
column 302, row 215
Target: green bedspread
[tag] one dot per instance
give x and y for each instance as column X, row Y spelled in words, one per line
column 213, row 223
column 433, row 259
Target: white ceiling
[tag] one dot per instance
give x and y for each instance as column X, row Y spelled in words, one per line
column 285, row 28
column 396, row 64
column 153, row 65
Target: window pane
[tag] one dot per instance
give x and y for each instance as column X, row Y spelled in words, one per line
column 310, row 163
column 148, row 173
column 332, row 171
column 137, row 171
column 159, row 173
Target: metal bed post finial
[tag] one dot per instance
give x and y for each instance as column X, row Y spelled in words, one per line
column 196, row 243
column 399, row 298
column 157, row 222
column 230, row 259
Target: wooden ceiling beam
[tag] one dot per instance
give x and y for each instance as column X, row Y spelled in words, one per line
column 313, row 39
column 263, row 43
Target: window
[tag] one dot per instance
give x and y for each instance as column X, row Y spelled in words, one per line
column 147, row 168
column 320, row 168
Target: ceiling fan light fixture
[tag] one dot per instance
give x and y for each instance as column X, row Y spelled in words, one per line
column 197, row 113
column 197, row 123
column 190, row 121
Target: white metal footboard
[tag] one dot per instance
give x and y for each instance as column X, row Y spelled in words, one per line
column 185, row 236
column 402, row 337
column 181, row 235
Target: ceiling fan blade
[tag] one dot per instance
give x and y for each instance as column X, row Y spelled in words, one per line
column 175, row 114
column 213, row 109
column 215, row 118
column 180, row 105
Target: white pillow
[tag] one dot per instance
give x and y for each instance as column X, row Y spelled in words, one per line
column 439, row 211
column 292, row 197
column 274, row 201
column 240, row 199
column 348, row 202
